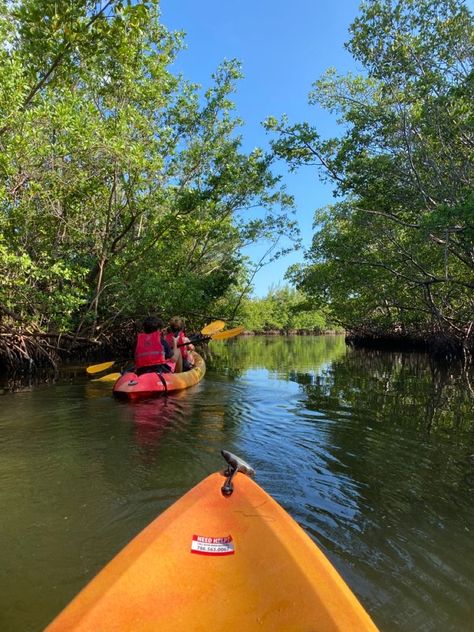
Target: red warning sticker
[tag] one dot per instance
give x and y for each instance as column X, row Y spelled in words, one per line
column 205, row 545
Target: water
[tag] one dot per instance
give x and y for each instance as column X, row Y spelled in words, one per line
column 372, row 453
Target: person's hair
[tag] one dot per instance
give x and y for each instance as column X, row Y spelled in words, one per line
column 151, row 324
column 176, row 323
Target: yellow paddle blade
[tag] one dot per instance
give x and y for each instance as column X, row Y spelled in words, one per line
column 111, row 377
column 213, row 328
column 98, row 368
column 229, row 333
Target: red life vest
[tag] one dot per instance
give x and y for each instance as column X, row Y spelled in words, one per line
column 181, row 337
column 149, row 350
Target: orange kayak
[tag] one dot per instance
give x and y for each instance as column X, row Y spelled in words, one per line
column 133, row 386
column 218, row 562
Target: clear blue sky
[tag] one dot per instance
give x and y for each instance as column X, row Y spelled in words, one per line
column 284, row 47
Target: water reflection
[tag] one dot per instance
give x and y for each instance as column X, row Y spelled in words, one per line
column 276, row 354
column 152, row 417
column 398, row 500
column 372, row 453
column 399, row 388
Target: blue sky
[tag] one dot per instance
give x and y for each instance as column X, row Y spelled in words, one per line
column 284, row 47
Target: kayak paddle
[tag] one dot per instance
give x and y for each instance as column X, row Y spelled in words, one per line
column 221, row 335
column 212, row 328
column 98, row 368
column 110, row 377
column 229, row 333
column 208, row 332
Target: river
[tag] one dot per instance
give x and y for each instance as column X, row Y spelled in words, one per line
column 371, row 452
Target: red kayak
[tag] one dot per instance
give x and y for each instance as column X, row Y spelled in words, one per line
column 133, row 386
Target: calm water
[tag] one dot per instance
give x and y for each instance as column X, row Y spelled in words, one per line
column 372, row 453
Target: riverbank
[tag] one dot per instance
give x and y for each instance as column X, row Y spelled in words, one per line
column 438, row 345
column 31, row 352
column 27, row 351
column 294, row 332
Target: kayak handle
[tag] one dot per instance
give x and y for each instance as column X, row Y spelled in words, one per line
column 236, row 464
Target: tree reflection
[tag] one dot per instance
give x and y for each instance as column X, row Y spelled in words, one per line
column 275, row 353
column 402, row 432
column 400, row 388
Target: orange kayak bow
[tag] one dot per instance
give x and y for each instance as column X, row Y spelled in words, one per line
column 224, row 557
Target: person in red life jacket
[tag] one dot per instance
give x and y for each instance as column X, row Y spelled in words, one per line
column 153, row 354
column 176, row 333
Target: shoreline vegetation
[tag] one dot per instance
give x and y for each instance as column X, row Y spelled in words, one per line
column 32, row 353
column 107, row 158
column 393, row 256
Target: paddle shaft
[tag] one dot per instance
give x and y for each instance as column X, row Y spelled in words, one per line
column 195, row 340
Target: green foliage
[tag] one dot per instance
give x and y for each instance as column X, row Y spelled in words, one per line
column 123, row 188
column 396, row 252
column 283, row 309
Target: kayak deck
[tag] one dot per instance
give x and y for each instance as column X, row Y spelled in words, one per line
column 133, row 386
column 215, row 563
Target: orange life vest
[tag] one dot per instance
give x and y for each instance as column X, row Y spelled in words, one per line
column 149, row 350
column 181, row 337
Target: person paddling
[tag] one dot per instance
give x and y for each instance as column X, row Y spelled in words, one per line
column 153, row 354
column 176, row 335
